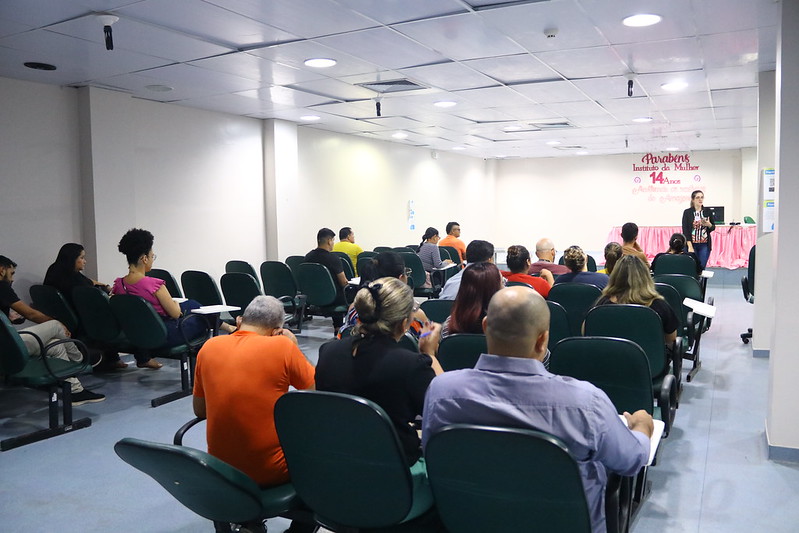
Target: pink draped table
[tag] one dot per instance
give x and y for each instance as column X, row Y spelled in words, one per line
column 731, row 244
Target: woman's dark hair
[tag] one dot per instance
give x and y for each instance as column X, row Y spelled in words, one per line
column 62, row 271
column 428, row 234
column 479, row 283
column 693, row 195
column 383, row 265
column 574, row 258
column 677, row 242
column 136, row 243
column 517, row 258
column 612, row 254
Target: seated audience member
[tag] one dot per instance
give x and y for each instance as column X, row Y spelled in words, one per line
column 631, row 283
column 322, row 255
column 373, row 365
column 518, row 260
column 477, row 252
column 65, row 274
column 47, row 329
column 629, row 234
column 453, row 239
column 577, row 262
column 237, row 381
column 677, row 246
column 509, row 387
column 545, row 252
column 347, row 245
column 612, row 254
column 429, row 252
column 385, row 265
column 479, row 283
column 137, row 247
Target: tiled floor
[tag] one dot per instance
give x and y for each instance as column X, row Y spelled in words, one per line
column 712, row 474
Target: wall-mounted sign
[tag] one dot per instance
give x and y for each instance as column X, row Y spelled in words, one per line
column 665, row 178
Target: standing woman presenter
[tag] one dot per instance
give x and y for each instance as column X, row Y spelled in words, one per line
column 697, row 224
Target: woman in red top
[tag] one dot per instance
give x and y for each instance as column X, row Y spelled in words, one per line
column 519, row 262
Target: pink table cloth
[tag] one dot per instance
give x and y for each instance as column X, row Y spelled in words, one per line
column 731, row 244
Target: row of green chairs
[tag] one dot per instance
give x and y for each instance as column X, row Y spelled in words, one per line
column 349, row 473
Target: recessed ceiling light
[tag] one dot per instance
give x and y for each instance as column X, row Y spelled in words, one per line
column 511, row 128
column 35, row 65
column 309, row 118
column 158, row 88
column 641, row 20
column 503, row 156
column 400, row 135
column 320, row 62
column 445, row 103
column 643, row 119
column 672, row 148
column 553, row 143
column 677, row 85
column 459, row 148
column 582, row 152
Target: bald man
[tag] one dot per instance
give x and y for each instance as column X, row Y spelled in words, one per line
column 545, row 252
column 509, row 387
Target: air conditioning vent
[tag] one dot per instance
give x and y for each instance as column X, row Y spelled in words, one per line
column 391, row 86
column 552, row 125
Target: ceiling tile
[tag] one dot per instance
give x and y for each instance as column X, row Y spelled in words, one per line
column 584, row 62
column 335, row 89
column 285, row 96
column 661, row 56
column 518, row 68
column 449, row 76
column 550, row 91
column 371, row 45
column 393, row 11
column 256, row 68
column 294, row 55
column 677, row 19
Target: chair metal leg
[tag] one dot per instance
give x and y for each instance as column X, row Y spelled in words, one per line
column 66, row 398
column 171, row 397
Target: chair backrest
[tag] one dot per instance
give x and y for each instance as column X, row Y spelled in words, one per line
column 520, row 479
column 94, row 308
column 675, row 264
column 750, row 269
column 345, row 458
column 13, row 353
column 316, row 283
column 576, row 299
column 349, row 273
column 437, row 310
column 444, row 253
column 362, row 261
column 139, row 321
column 418, row 276
column 209, row 487
column 278, row 279
column 518, row 284
column 347, row 259
column 366, row 253
column 559, row 328
column 617, row 366
column 236, row 265
column 452, row 252
column 409, row 342
column 461, row 350
column 637, row 323
column 51, row 302
column 239, row 289
column 749, row 220
column 672, row 297
column 293, row 261
column 688, row 287
column 379, row 249
column 169, row 280
column 403, row 249
column 200, row 286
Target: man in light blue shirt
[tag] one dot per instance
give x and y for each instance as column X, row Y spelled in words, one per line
column 509, row 387
column 477, row 252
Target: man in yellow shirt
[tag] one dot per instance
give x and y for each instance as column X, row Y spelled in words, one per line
column 453, row 232
column 347, row 245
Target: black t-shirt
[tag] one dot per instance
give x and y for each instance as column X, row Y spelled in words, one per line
column 662, row 308
column 393, row 377
column 331, row 261
column 7, row 297
column 65, row 282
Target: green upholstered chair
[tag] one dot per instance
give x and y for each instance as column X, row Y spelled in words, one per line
column 694, row 323
column 98, row 321
column 518, row 284
column 293, row 261
column 672, row 297
column 558, row 323
column 576, row 299
column 749, row 220
column 316, row 283
column 461, row 350
column 503, row 479
column 444, row 253
column 349, row 268
column 418, row 276
column 52, row 303
column 379, row 249
column 367, row 253
column 362, row 261
column 280, row 282
column 748, row 287
column 437, row 310
column 347, row 464
column 237, row 265
column 409, row 342
column 452, row 252
column 404, row 249
column 675, row 264
column 43, row 372
column 239, row 289
column 200, row 286
column 146, row 331
column 206, row 485
column 642, row 326
column 169, row 280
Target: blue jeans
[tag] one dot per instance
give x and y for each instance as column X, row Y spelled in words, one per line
column 702, row 251
column 193, row 327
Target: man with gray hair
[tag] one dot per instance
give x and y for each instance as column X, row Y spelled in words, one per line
column 237, row 380
column 509, row 387
column 545, row 251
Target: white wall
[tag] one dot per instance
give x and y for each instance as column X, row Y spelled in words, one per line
column 578, row 200
column 39, row 176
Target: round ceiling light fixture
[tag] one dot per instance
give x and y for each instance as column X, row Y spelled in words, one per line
column 400, row 135
column 445, row 104
column 309, row 118
column 642, row 120
column 641, row 20
column 673, row 86
column 320, row 62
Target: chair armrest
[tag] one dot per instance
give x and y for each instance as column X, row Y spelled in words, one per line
column 192, row 316
column 84, row 352
column 178, row 439
column 35, row 337
column 667, row 401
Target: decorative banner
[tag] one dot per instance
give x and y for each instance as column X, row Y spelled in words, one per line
column 666, row 178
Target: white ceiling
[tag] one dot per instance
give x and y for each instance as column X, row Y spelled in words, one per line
column 492, row 58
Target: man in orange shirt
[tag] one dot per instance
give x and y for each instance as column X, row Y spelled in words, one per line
column 453, row 232
column 237, row 380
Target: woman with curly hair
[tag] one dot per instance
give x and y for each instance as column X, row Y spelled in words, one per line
column 575, row 259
